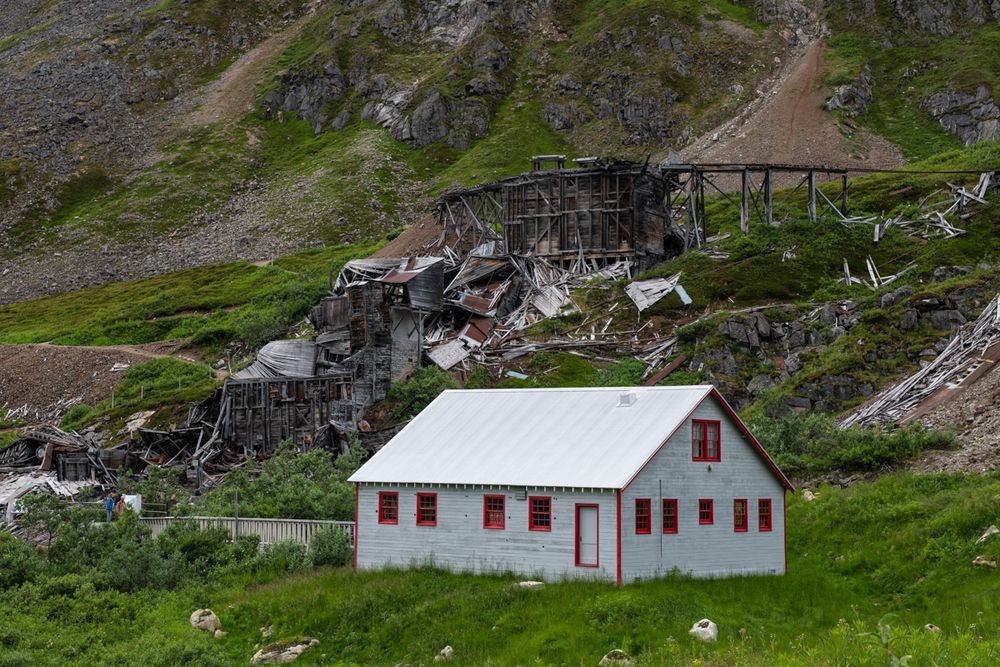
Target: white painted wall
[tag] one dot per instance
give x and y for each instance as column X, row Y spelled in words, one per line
column 704, row 550
column 460, row 543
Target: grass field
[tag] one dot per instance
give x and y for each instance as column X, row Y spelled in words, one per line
column 869, row 566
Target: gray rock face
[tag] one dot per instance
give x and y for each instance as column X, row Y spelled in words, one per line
column 789, row 12
column 305, row 91
column 429, row 122
column 646, row 116
column 855, row 97
column 933, row 16
column 972, row 117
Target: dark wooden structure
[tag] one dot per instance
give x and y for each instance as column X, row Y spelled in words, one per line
column 600, row 213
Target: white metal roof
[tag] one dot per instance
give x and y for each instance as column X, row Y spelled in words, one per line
column 533, row 437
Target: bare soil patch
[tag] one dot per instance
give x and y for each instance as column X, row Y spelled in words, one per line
column 786, row 123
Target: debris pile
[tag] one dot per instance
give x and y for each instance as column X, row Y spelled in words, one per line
column 970, row 354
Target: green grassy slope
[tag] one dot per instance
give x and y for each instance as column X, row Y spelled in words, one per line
column 871, row 562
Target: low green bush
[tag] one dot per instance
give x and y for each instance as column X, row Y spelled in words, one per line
column 330, row 545
column 416, row 393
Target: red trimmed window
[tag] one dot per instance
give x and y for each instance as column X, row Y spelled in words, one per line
column 706, row 440
column 494, row 511
column 740, row 515
column 706, row 511
column 643, row 518
column 670, row 515
column 764, row 514
column 539, row 513
column 388, row 507
column 427, row 509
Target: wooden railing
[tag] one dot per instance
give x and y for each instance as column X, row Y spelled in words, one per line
column 268, row 530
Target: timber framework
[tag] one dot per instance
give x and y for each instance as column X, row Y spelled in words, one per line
column 601, row 212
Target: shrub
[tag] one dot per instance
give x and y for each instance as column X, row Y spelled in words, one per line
column 18, row 561
column 283, row 556
column 419, row 390
column 77, row 416
column 330, row 545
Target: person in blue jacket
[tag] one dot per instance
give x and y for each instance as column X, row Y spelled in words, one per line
column 109, row 506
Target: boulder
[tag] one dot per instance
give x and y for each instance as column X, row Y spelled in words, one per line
column 854, row 97
column 809, row 496
column 930, row 627
column 530, row 585
column 282, row 653
column 971, row 117
column 982, row 561
column 615, row 658
column 447, row 653
column 205, row 619
column 429, row 122
column 705, row 630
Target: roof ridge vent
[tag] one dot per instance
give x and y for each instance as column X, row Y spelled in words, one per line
column 627, row 399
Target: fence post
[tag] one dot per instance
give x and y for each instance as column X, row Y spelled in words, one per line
column 236, row 514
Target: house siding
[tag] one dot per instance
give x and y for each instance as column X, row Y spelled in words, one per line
column 704, row 550
column 460, row 543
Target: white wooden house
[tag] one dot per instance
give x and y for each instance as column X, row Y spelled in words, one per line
column 605, row 483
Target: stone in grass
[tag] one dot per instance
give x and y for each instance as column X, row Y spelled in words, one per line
column 531, row 585
column 219, row 634
column 982, row 561
column 615, row 658
column 705, row 630
column 282, row 653
column 930, row 627
column 447, row 653
column 205, row 619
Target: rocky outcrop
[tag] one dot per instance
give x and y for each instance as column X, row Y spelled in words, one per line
column 855, row 97
column 971, row 117
column 308, row 93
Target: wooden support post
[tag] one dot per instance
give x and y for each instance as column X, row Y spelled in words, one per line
column 768, row 192
column 812, row 195
column 745, row 202
column 843, row 195
column 703, row 233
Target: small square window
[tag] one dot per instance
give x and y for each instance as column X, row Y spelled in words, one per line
column 764, row 514
column 427, row 509
column 539, row 513
column 740, row 515
column 494, row 511
column 706, row 512
column 388, row 507
column 670, row 515
column 643, row 520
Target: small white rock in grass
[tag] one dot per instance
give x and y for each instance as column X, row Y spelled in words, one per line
column 809, row 496
column 531, row 585
column 930, row 627
column 705, row 630
column 992, row 530
column 219, row 634
column 982, row 561
column 447, row 653
column 205, row 619
column 282, row 653
column 615, row 658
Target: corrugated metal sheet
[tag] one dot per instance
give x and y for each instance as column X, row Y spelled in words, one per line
column 533, row 437
column 282, row 358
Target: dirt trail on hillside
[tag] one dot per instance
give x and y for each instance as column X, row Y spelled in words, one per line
column 42, row 375
column 232, row 96
column 787, row 123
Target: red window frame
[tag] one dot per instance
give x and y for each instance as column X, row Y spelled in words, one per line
column 740, row 515
column 643, row 516
column 494, row 517
column 540, row 519
column 383, row 514
column 706, row 511
column 432, row 507
column 764, row 515
column 700, row 445
column 669, row 512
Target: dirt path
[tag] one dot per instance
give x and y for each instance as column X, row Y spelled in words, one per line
column 41, row 376
column 787, row 123
column 232, row 96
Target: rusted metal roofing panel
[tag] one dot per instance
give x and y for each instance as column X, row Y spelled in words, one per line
column 533, row 437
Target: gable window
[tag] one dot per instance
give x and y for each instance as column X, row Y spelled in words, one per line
column 643, row 520
column 494, row 513
column 740, row 515
column 669, row 515
column 427, row 509
column 539, row 513
column 388, row 507
column 764, row 514
column 706, row 512
column 706, row 440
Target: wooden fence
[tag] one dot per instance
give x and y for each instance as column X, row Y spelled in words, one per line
column 268, row 530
